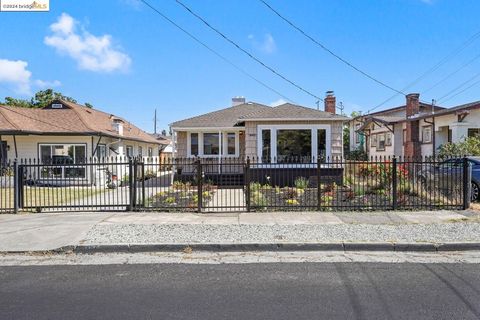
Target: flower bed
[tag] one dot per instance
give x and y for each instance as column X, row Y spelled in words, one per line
column 182, row 195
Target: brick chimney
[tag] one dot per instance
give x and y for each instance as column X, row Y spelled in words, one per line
column 236, row 101
column 412, row 146
column 413, row 106
column 330, row 102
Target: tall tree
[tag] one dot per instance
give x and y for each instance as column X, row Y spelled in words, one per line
column 41, row 99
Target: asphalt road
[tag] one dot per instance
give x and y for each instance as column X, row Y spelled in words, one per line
column 242, row 291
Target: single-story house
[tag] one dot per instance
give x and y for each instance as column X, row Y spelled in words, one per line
column 165, row 151
column 287, row 134
column 415, row 129
column 66, row 132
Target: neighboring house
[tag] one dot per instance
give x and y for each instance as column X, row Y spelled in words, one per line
column 165, row 151
column 415, row 129
column 288, row 134
column 382, row 133
column 65, row 132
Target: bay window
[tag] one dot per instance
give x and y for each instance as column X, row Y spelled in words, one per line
column 231, row 143
column 194, row 144
column 213, row 144
column 293, row 143
column 266, row 146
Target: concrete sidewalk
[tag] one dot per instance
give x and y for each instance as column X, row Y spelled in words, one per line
column 144, row 231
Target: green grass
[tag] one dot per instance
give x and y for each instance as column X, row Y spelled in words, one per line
column 45, row 197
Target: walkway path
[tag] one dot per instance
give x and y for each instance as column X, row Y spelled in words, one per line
column 48, row 231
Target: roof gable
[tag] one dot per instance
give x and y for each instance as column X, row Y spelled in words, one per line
column 232, row 116
column 69, row 119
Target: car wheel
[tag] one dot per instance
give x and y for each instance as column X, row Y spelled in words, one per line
column 475, row 192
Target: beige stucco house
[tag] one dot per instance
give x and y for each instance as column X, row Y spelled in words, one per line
column 283, row 134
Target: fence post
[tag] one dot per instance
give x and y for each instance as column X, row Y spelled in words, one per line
column 319, row 186
column 247, row 184
column 394, row 183
column 199, row 185
column 16, row 190
column 466, row 184
column 130, row 184
column 143, row 183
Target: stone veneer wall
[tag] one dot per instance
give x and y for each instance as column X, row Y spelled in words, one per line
column 336, row 135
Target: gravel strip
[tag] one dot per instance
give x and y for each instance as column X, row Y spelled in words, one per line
column 224, row 234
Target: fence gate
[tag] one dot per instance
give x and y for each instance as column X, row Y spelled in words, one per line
column 97, row 185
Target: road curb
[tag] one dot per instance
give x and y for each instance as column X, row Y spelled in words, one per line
column 261, row 247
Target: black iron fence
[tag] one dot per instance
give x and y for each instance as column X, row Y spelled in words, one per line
column 235, row 184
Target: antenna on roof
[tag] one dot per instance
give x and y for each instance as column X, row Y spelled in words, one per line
column 318, row 104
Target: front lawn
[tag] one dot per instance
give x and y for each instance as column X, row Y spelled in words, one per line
column 48, row 196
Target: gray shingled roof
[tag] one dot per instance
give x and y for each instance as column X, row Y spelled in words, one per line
column 232, row 116
column 470, row 105
column 292, row 111
column 225, row 118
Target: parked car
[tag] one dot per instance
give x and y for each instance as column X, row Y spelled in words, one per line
column 449, row 174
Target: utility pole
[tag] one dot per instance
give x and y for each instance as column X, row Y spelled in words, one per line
column 155, row 122
column 318, row 104
column 341, row 107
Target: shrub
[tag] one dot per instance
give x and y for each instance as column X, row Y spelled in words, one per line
column 301, row 183
column 470, row 146
column 291, row 201
column 258, row 199
column 290, row 193
column 255, row 186
column 170, row 200
column 357, row 155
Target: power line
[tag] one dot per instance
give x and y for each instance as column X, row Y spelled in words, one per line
column 470, row 86
column 246, row 52
column 215, row 52
column 458, row 87
column 452, row 73
column 318, row 43
column 434, row 68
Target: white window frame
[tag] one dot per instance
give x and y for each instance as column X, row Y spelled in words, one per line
column 66, row 166
column 149, row 152
column 223, row 144
column 425, row 128
column 273, row 138
column 140, row 151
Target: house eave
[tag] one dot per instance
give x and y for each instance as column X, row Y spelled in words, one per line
column 206, row 128
column 294, row 119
